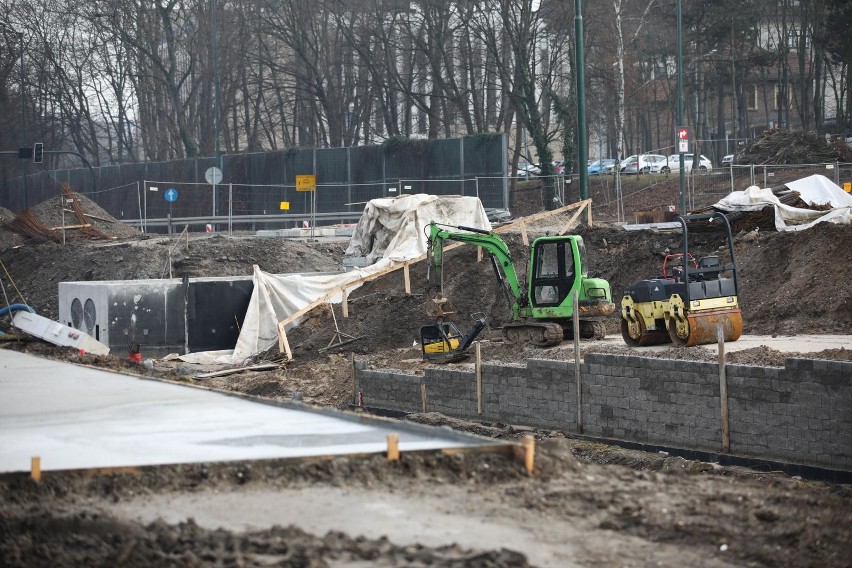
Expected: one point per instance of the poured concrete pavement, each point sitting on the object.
(76, 417)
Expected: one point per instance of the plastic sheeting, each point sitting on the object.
(814, 190)
(392, 230)
(395, 228)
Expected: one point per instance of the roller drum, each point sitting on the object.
(702, 327)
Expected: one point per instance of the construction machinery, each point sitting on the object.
(542, 311)
(690, 302)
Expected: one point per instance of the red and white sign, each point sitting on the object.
(682, 139)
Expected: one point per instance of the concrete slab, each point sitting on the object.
(75, 417)
(791, 344)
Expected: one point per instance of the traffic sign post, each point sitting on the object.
(308, 182)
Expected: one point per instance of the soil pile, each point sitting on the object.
(781, 146)
(81, 217)
(37, 269)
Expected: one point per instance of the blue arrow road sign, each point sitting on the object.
(171, 194)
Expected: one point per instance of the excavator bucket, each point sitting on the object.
(442, 342)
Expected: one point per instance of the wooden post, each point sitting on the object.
(35, 468)
(723, 392)
(589, 210)
(407, 278)
(524, 238)
(525, 451)
(393, 447)
(577, 377)
(345, 302)
(478, 254)
(283, 344)
(478, 379)
(423, 402)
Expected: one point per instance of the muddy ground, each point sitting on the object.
(587, 505)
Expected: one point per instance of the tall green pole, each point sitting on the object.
(24, 164)
(580, 64)
(680, 106)
(216, 107)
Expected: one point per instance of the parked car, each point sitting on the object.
(644, 163)
(525, 170)
(728, 160)
(704, 164)
(603, 166)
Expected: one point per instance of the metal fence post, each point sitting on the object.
(764, 177)
(836, 172)
(230, 209)
(751, 175)
(145, 204)
(731, 169)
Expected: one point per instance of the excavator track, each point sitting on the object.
(543, 334)
(701, 328)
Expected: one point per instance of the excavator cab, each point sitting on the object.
(553, 272)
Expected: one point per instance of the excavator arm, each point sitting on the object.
(500, 256)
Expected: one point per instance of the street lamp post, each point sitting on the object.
(582, 141)
(682, 174)
(216, 117)
(23, 118)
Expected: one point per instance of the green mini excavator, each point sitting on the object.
(542, 312)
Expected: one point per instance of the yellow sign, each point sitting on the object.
(306, 183)
(847, 186)
(285, 206)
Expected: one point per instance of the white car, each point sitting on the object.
(704, 164)
(643, 163)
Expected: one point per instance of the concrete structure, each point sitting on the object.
(75, 417)
(801, 413)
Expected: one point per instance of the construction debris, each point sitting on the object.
(779, 146)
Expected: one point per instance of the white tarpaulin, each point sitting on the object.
(395, 227)
(814, 190)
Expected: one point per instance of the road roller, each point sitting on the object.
(690, 302)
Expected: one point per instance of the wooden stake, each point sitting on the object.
(423, 401)
(478, 254)
(283, 344)
(478, 379)
(577, 376)
(589, 209)
(723, 392)
(525, 451)
(524, 238)
(572, 221)
(407, 278)
(345, 302)
(35, 468)
(393, 447)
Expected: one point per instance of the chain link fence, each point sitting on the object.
(260, 184)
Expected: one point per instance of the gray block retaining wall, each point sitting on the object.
(801, 413)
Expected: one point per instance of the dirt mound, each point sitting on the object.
(82, 218)
(37, 269)
(779, 146)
